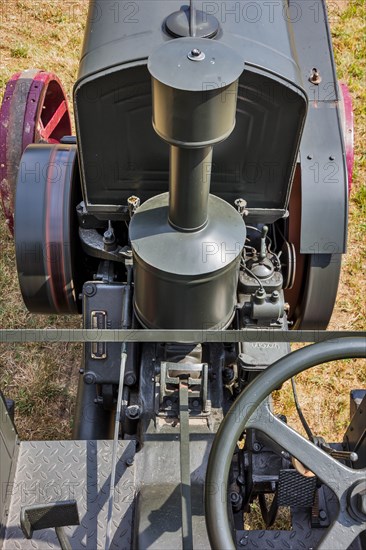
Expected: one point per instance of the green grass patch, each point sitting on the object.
(19, 51)
(25, 402)
(359, 198)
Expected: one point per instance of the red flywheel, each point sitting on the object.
(34, 110)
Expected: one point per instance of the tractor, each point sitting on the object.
(201, 208)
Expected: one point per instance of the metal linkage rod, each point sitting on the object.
(191, 336)
(115, 446)
(126, 323)
(185, 467)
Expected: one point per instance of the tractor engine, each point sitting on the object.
(188, 205)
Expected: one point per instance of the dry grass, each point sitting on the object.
(42, 379)
(324, 391)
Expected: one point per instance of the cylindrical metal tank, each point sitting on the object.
(186, 280)
(194, 91)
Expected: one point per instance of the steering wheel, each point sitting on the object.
(251, 410)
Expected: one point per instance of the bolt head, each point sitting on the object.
(133, 411)
(315, 77)
(89, 378)
(130, 379)
(234, 497)
(108, 236)
(90, 290)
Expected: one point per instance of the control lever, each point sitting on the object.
(334, 453)
(341, 455)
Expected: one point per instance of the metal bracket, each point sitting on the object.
(197, 385)
(93, 245)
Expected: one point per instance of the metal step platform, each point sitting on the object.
(63, 470)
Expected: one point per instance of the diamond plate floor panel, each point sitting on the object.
(80, 470)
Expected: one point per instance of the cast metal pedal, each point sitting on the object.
(52, 515)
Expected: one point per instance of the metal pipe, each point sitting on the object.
(216, 506)
(127, 302)
(192, 19)
(189, 187)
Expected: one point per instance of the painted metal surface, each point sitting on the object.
(117, 34)
(8, 456)
(158, 506)
(189, 21)
(34, 109)
(47, 257)
(187, 64)
(253, 174)
(193, 336)
(256, 162)
(324, 185)
(187, 244)
(315, 307)
(314, 272)
(198, 271)
(198, 79)
(102, 307)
